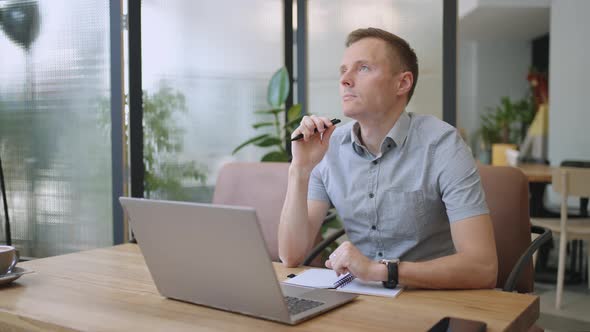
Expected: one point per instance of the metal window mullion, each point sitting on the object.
(135, 100)
(117, 106)
(450, 62)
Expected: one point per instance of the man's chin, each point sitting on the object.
(351, 113)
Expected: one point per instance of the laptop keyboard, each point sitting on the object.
(298, 305)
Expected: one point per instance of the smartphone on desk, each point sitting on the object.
(452, 324)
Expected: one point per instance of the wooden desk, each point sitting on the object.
(537, 172)
(111, 289)
(539, 175)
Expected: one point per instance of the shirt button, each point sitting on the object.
(371, 195)
(375, 162)
(373, 227)
(380, 254)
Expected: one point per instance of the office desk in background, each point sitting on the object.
(537, 173)
(539, 176)
(111, 289)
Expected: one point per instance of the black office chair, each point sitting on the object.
(320, 247)
(7, 234)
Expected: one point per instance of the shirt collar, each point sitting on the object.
(398, 133)
(400, 129)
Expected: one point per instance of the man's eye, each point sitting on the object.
(364, 68)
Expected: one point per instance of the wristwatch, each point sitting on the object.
(392, 273)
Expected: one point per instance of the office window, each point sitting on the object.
(418, 22)
(54, 124)
(205, 70)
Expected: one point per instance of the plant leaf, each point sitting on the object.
(272, 111)
(294, 112)
(278, 88)
(275, 156)
(294, 123)
(250, 141)
(262, 124)
(269, 141)
(334, 223)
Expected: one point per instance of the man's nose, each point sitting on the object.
(347, 80)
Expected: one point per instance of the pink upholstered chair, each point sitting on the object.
(262, 186)
(507, 196)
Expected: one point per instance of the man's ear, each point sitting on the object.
(405, 83)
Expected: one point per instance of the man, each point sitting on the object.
(405, 185)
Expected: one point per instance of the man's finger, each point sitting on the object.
(339, 265)
(328, 264)
(341, 270)
(327, 122)
(327, 134)
(319, 124)
(308, 126)
(296, 132)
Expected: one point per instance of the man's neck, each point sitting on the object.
(373, 131)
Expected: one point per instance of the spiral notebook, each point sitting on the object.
(325, 278)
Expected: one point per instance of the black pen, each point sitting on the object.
(300, 136)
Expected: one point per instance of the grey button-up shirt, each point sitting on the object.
(400, 203)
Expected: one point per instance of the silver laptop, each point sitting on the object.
(215, 256)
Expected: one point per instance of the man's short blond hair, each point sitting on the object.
(397, 46)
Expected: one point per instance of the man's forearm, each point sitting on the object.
(450, 272)
(457, 271)
(294, 228)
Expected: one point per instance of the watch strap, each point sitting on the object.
(392, 274)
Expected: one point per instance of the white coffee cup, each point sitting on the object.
(8, 259)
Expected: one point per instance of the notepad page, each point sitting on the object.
(325, 278)
(316, 278)
(369, 288)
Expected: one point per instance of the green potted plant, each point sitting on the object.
(277, 93)
(162, 142)
(504, 126)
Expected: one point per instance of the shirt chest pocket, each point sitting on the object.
(401, 213)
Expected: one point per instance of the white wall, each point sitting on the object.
(515, 3)
(569, 81)
(488, 71)
(466, 6)
(467, 91)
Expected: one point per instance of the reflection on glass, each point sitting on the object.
(54, 70)
(418, 22)
(217, 62)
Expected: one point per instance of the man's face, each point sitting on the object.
(367, 81)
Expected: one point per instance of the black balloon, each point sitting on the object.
(20, 21)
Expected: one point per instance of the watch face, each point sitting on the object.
(385, 261)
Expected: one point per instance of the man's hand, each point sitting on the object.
(309, 151)
(347, 258)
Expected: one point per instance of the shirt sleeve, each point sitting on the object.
(458, 178)
(317, 190)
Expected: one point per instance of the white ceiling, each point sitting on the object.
(508, 22)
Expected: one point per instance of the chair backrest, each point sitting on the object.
(262, 186)
(583, 200)
(507, 196)
(571, 181)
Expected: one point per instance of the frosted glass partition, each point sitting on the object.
(212, 60)
(54, 124)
